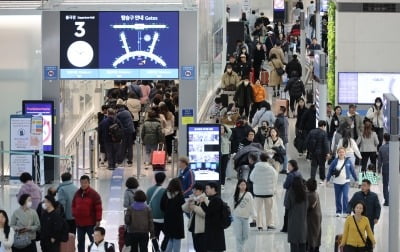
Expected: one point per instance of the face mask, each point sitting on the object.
(243, 50)
(229, 70)
(258, 47)
(29, 204)
(246, 83)
(378, 104)
(44, 206)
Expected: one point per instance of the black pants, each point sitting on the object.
(245, 109)
(71, 226)
(126, 147)
(324, 42)
(297, 247)
(365, 157)
(348, 248)
(224, 165)
(30, 248)
(385, 182)
(257, 70)
(138, 241)
(254, 107)
(276, 89)
(285, 220)
(199, 242)
(292, 102)
(168, 144)
(310, 249)
(112, 152)
(48, 246)
(318, 161)
(158, 228)
(379, 132)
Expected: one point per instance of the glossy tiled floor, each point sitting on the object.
(111, 185)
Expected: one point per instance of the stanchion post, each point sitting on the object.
(77, 159)
(2, 163)
(91, 157)
(138, 156)
(83, 150)
(173, 159)
(36, 166)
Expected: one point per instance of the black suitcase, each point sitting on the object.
(225, 100)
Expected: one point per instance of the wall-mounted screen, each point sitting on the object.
(119, 45)
(279, 4)
(363, 88)
(46, 109)
(204, 150)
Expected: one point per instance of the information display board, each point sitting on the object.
(204, 142)
(363, 88)
(46, 110)
(119, 45)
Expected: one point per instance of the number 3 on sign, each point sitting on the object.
(80, 31)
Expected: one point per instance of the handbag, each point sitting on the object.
(368, 243)
(21, 240)
(278, 70)
(336, 173)
(239, 201)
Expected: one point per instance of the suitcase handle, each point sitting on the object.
(160, 145)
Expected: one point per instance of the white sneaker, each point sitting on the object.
(344, 215)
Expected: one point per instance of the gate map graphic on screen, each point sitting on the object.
(130, 45)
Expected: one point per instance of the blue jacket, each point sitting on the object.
(65, 194)
(289, 180)
(187, 180)
(126, 119)
(349, 168)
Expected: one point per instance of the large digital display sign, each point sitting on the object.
(204, 151)
(363, 88)
(119, 45)
(46, 110)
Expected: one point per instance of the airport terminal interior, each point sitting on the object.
(61, 58)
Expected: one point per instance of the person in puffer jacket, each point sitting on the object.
(87, 211)
(264, 178)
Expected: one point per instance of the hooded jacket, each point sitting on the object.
(65, 194)
(138, 219)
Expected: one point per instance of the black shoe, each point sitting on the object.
(111, 168)
(278, 94)
(260, 229)
(386, 203)
(271, 228)
(253, 224)
(283, 230)
(274, 95)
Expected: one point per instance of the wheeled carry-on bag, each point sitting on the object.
(282, 101)
(68, 246)
(264, 77)
(159, 158)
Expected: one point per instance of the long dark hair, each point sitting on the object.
(294, 164)
(6, 225)
(346, 140)
(299, 189)
(380, 100)
(237, 190)
(367, 132)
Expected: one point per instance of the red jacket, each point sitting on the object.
(86, 207)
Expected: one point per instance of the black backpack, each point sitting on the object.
(297, 88)
(108, 247)
(116, 132)
(226, 215)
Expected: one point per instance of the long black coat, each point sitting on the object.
(244, 95)
(173, 215)
(293, 65)
(215, 235)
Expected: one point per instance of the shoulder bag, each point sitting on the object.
(368, 243)
(239, 201)
(21, 240)
(336, 173)
(278, 70)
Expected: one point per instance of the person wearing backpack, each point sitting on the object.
(215, 220)
(98, 244)
(111, 134)
(53, 228)
(296, 89)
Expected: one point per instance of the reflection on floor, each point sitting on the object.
(111, 186)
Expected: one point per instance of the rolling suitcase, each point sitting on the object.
(158, 158)
(68, 246)
(264, 77)
(282, 101)
(121, 237)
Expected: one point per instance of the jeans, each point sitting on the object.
(341, 197)
(199, 242)
(241, 228)
(318, 161)
(82, 231)
(174, 245)
(158, 228)
(365, 157)
(224, 165)
(385, 182)
(138, 241)
(149, 149)
(267, 203)
(297, 247)
(126, 147)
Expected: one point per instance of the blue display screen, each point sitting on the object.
(129, 45)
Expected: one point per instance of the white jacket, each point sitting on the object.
(264, 178)
(376, 116)
(246, 207)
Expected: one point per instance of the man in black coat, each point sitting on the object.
(106, 139)
(244, 97)
(293, 66)
(296, 89)
(239, 133)
(126, 147)
(371, 201)
(318, 146)
(215, 235)
(243, 67)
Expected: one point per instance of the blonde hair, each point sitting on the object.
(184, 160)
(340, 148)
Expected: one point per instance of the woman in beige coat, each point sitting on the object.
(275, 80)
